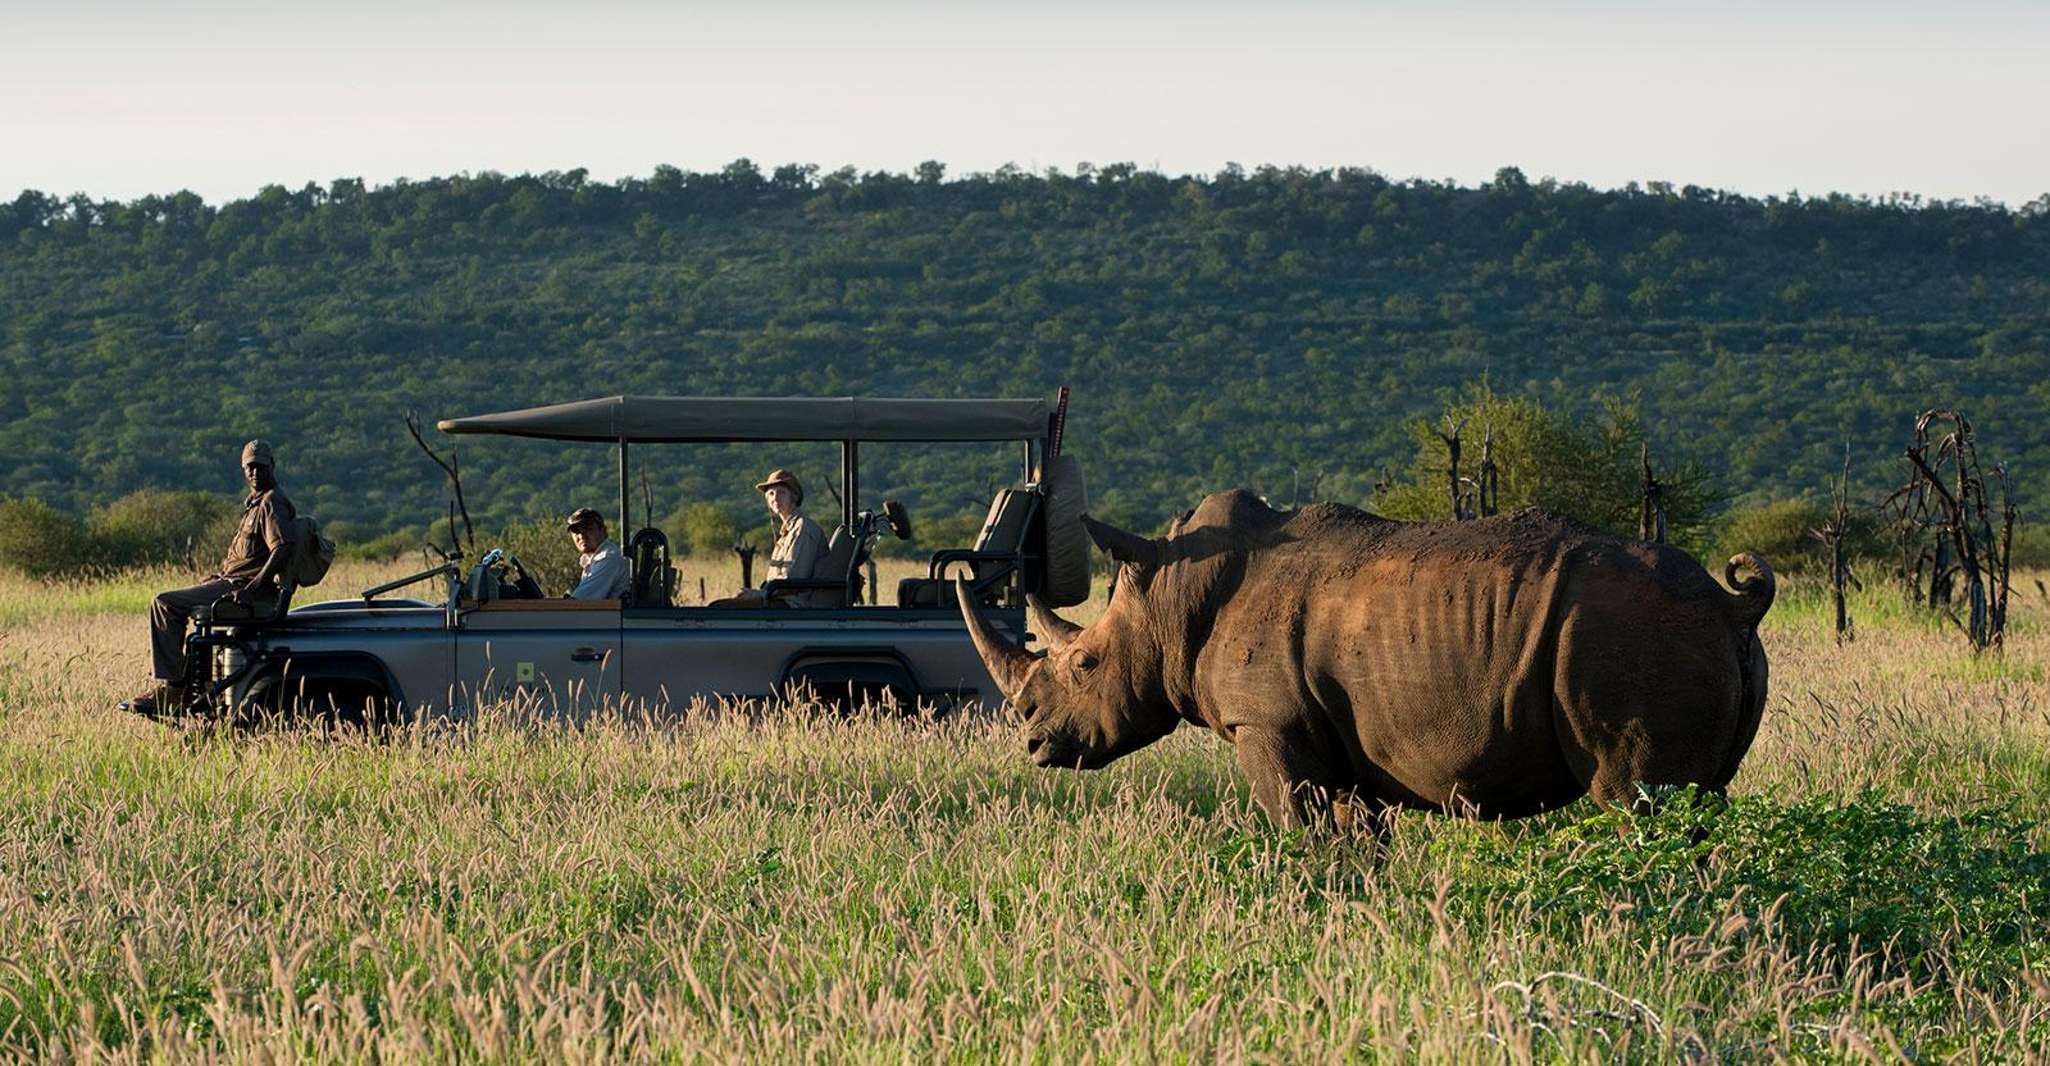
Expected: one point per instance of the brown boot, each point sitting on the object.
(162, 701)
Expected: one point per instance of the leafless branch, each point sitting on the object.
(450, 467)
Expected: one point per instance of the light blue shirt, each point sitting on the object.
(606, 575)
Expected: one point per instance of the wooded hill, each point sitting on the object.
(1276, 328)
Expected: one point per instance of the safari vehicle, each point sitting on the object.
(486, 632)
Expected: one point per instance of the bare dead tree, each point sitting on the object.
(1460, 512)
(1651, 511)
(1832, 534)
(1945, 500)
(450, 466)
(2002, 569)
(746, 552)
(1488, 479)
(1295, 486)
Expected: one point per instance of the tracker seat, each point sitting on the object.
(261, 610)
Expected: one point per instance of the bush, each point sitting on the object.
(703, 529)
(544, 548)
(38, 539)
(1780, 531)
(389, 546)
(1586, 469)
(160, 526)
(2031, 550)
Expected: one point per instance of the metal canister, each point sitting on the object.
(229, 659)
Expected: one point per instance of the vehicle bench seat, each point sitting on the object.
(999, 553)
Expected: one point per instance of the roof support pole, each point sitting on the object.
(850, 482)
(626, 529)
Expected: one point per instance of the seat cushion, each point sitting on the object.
(919, 592)
(257, 609)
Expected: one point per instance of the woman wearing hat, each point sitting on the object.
(799, 541)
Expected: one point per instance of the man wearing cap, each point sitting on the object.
(606, 575)
(799, 541)
(248, 575)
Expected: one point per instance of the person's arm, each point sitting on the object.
(277, 539)
(601, 577)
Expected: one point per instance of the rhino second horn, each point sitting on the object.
(1122, 546)
(1057, 630)
(1006, 661)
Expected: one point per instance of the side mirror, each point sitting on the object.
(900, 521)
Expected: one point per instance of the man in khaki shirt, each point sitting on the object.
(249, 574)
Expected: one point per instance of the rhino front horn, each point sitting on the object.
(1007, 662)
(1122, 546)
(1057, 630)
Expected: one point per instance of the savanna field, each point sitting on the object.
(781, 884)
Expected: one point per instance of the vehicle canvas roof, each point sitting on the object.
(683, 419)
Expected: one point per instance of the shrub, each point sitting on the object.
(1588, 469)
(1780, 531)
(2031, 550)
(703, 529)
(160, 526)
(544, 548)
(38, 539)
(389, 546)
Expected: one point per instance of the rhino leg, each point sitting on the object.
(1295, 786)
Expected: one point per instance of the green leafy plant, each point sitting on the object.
(1950, 897)
(38, 539)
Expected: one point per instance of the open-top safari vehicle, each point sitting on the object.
(487, 633)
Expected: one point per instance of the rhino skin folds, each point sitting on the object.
(1494, 668)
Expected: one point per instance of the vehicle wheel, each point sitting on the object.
(1067, 542)
(848, 685)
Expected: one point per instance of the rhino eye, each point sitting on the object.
(1084, 661)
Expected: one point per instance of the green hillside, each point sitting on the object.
(1271, 328)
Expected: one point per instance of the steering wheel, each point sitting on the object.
(529, 589)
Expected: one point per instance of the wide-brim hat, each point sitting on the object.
(258, 452)
(584, 516)
(782, 477)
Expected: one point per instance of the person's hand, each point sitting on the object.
(239, 595)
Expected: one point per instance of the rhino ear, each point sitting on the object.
(1122, 546)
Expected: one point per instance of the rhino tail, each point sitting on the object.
(1754, 592)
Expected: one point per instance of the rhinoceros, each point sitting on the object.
(1494, 668)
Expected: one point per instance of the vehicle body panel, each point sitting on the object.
(574, 661)
(562, 654)
(676, 655)
(410, 641)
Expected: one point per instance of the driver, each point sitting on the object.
(606, 575)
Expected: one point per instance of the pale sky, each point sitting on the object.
(118, 100)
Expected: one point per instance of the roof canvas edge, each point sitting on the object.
(680, 419)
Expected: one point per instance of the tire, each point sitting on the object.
(1067, 542)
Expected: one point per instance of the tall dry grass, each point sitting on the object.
(780, 885)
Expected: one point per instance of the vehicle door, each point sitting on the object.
(712, 653)
(558, 657)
